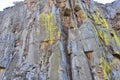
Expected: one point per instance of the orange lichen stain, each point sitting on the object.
(100, 73)
(66, 17)
(80, 16)
(89, 54)
(66, 21)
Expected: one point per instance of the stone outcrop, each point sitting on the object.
(60, 40)
(112, 13)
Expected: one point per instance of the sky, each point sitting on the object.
(104, 1)
(8, 3)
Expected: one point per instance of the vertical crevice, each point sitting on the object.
(70, 2)
(2, 69)
(46, 46)
(65, 16)
(115, 67)
(89, 57)
(64, 41)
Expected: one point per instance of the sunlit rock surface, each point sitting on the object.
(60, 40)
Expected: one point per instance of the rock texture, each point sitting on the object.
(60, 40)
(112, 13)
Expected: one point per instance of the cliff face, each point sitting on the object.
(60, 40)
(112, 14)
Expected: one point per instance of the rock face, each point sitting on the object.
(112, 13)
(60, 40)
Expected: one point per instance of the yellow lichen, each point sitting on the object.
(95, 17)
(104, 37)
(51, 28)
(105, 68)
(116, 38)
(104, 23)
(100, 20)
(116, 52)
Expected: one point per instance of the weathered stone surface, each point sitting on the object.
(60, 40)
